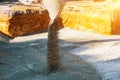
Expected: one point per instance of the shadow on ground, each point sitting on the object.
(79, 42)
(27, 61)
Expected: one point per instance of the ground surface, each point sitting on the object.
(100, 51)
(84, 56)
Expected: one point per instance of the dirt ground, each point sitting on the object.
(24, 58)
(84, 56)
